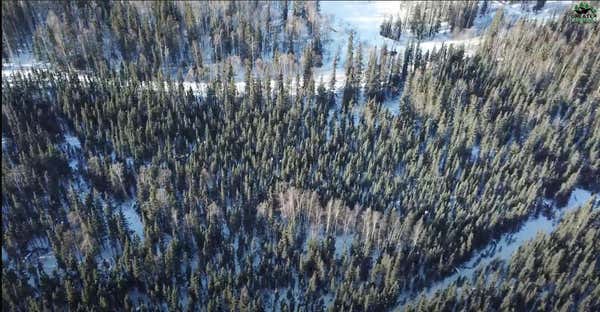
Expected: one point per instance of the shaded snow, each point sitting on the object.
(475, 153)
(23, 62)
(134, 221)
(342, 243)
(48, 262)
(4, 143)
(72, 147)
(72, 141)
(392, 104)
(328, 300)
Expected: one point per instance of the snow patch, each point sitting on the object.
(4, 255)
(48, 262)
(4, 143)
(342, 243)
(475, 153)
(21, 63)
(72, 141)
(578, 198)
(134, 221)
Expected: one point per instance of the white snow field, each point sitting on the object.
(364, 18)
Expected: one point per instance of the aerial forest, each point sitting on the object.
(225, 156)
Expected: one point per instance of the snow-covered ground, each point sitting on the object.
(475, 152)
(40, 250)
(364, 18)
(4, 255)
(343, 243)
(72, 141)
(49, 264)
(505, 247)
(134, 221)
(23, 62)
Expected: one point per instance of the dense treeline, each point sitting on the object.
(424, 19)
(557, 272)
(284, 192)
(163, 35)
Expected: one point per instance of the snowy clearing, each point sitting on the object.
(364, 18)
